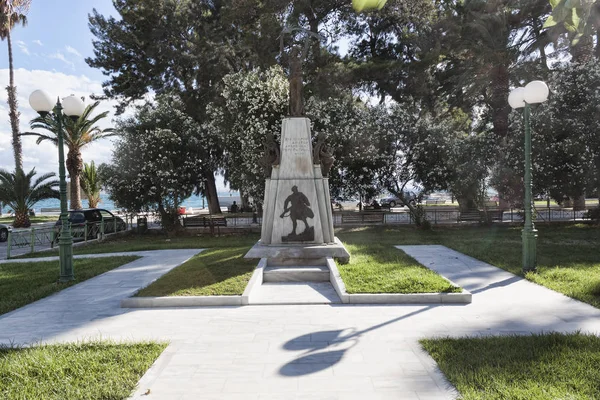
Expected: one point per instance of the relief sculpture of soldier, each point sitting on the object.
(322, 155)
(297, 207)
(271, 156)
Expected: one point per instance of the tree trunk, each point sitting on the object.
(245, 201)
(466, 203)
(498, 102)
(21, 219)
(598, 177)
(75, 167)
(13, 111)
(211, 193)
(500, 110)
(598, 43)
(583, 52)
(579, 202)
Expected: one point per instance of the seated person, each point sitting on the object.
(375, 205)
(234, 207)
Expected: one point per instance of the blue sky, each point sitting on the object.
(56, 37)
(49, 54)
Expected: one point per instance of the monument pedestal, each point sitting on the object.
(297, 253)
(297, 233)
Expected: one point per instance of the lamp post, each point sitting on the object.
(72, 107)
(535, 92)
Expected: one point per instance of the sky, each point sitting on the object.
(49, 54)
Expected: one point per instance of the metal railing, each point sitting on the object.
(436, 216)
(38, 238)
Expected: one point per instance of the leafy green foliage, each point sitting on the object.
(77, 134)
(157, 161)
(21, 191)
(91, 184)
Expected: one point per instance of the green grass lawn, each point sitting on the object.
(568, 256)
(537, 367)
(214, 272)
(377, 268)
(92, 370)
(24, 283)
(135, 242)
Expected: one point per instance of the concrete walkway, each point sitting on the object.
(299, 352)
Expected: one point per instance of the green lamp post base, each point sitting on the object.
(529, 249)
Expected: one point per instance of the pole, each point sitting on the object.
(65, 241)
(529, 233)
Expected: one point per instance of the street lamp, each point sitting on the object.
(72, 107)
(535, 92)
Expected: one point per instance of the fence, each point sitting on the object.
(22, 241)
(439, 215)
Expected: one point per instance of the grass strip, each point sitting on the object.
(94, 370)
(137, 242)
(568, 259)
(376, 268)
(24, 283)
(214, 272)
(567, 255)
(33, 220)
(537, 367)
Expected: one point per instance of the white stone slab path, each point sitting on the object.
(298, 351)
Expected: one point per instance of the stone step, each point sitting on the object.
(294, 293)
(296, 274)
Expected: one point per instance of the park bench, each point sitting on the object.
(363, 218)
(194, 222)
(493, 214)
(470, 216)
(481, 216)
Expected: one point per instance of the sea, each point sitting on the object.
(191, 203)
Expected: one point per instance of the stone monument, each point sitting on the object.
(297, 216)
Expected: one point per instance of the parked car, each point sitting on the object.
(393, 201)
(4, 229)
(95, 219)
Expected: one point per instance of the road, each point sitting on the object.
(15, 251)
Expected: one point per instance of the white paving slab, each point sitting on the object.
(295, 293)
(304, 351)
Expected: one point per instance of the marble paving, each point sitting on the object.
(333, 351)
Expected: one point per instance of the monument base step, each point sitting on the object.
(296, 274)
(295, 293)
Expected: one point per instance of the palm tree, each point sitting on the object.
(12, 12)
(77, 134)
(90, 183)
(20, 192)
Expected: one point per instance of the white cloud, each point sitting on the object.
(60, 56)
(71, 50)
(44, 157)
(23, 47)
(38, 42)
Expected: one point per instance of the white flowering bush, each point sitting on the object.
(157, 162)
(254, 104)
(251, 105)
